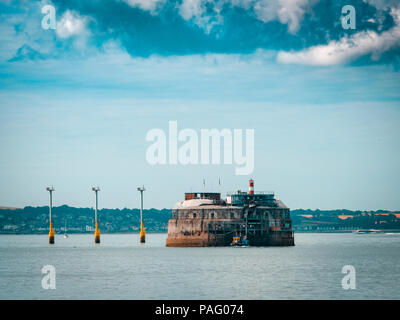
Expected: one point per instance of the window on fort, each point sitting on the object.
(232, 215)
(194, 215)
(212, 215)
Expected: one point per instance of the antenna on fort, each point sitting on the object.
(97, 230)
(204, 184)
(142, 230)
(51, 230)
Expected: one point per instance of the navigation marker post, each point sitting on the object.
(142, 229)
(51, 230)
(97, 230)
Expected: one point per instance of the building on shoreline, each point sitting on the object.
(204, 219)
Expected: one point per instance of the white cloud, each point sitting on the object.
(147, 5)
(383, 4)
(348, 49)
(266, 10)
(190, 8)
(290, 12)
(70, 24)
(195, 10)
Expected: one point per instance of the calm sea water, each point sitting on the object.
(121, 268)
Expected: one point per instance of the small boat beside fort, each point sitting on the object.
(204, 219)
(240, 241)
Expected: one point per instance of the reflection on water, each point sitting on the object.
(121, 268)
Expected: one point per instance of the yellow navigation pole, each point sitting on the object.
(97, 231)
(142, 229)
(51, 230)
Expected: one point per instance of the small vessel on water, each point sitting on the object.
(239, 241)
(65, 229)
(366, 231)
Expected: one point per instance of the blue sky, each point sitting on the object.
(76, 102)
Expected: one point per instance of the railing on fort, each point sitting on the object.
(231, 193)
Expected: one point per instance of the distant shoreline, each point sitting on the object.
(350, 231)
(165, 232)
(34, 220)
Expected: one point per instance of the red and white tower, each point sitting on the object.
(251, 186)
